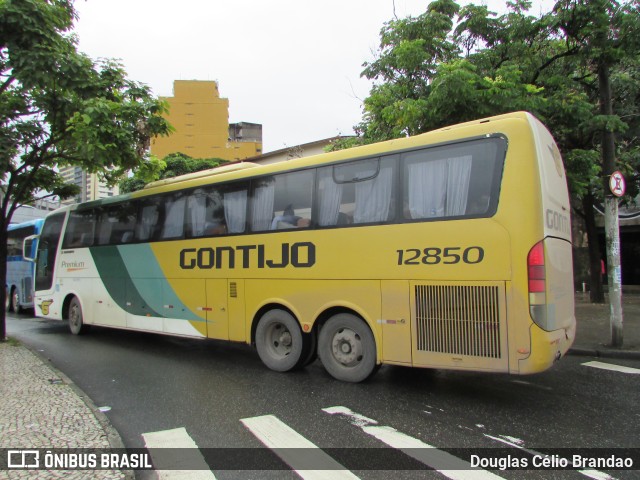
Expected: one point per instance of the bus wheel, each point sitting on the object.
(279, 341)
(76, 323)
(347, 348)
(15, 301)
(8, 304)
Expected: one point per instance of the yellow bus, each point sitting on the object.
(448, 250)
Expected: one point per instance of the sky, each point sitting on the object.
(291, 65)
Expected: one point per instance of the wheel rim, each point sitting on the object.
(279, 340)
(346, 346)
(16, 301)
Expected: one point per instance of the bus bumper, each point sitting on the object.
(546, 348)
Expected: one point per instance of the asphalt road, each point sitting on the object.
(154, 383)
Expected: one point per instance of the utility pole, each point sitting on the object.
(613, 187)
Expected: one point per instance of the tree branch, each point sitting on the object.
(566, 53)
(7, 84)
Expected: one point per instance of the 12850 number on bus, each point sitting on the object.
(437, 256)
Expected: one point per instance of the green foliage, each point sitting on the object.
(344, 143)
(173, 165)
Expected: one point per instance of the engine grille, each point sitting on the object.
(459, 320)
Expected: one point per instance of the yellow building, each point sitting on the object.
(202, 130)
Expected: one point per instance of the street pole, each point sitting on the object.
(614, 271)
(613, 185)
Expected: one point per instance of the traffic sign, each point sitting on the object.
(617, 184)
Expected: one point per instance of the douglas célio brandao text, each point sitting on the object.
(550, 462)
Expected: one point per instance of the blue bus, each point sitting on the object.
(20, 271)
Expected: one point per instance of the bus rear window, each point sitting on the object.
(460, 180)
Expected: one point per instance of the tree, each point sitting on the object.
(603, 33)
(58, 108)
(173, 165)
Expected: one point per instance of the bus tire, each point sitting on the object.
(15, 301)
(279, 341)
(76, 320)
(347, 348)
(8, 304)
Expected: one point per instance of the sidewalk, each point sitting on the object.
(593, 336)
(42, 408)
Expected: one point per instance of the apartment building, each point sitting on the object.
(91, 188)
(200, 118)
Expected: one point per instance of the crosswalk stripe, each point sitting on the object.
(279, 436)
(448, 465)
(612, 367)
(188, 457)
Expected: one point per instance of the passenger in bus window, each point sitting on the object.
(289, 219)
(215, 226)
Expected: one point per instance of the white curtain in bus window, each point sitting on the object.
(174, 216)
(373, 197)
(197, 208)
(458, 176)
(235, 210)
(438, 188)
(148, 221)
(330, 198)
(262, 205)
(105, 227)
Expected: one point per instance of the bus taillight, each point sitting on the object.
(537, 285)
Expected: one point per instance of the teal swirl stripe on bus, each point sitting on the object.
(135, 281)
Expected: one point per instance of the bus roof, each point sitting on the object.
(239, 170)
(36, 222)
(202, 173)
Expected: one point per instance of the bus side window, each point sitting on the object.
(453, 180)
(205, 213)
(282, 201)
(116, 224)
(292, 202)
(79, 232)
(436, 186)
(357, 192)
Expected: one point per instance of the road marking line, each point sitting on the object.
(448, 465)
(188, 457)
(283, 439)
(612, 367)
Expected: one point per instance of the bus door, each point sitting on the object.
(46, 259)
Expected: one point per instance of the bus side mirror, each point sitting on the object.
(28, 248)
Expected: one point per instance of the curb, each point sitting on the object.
(605, 353)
